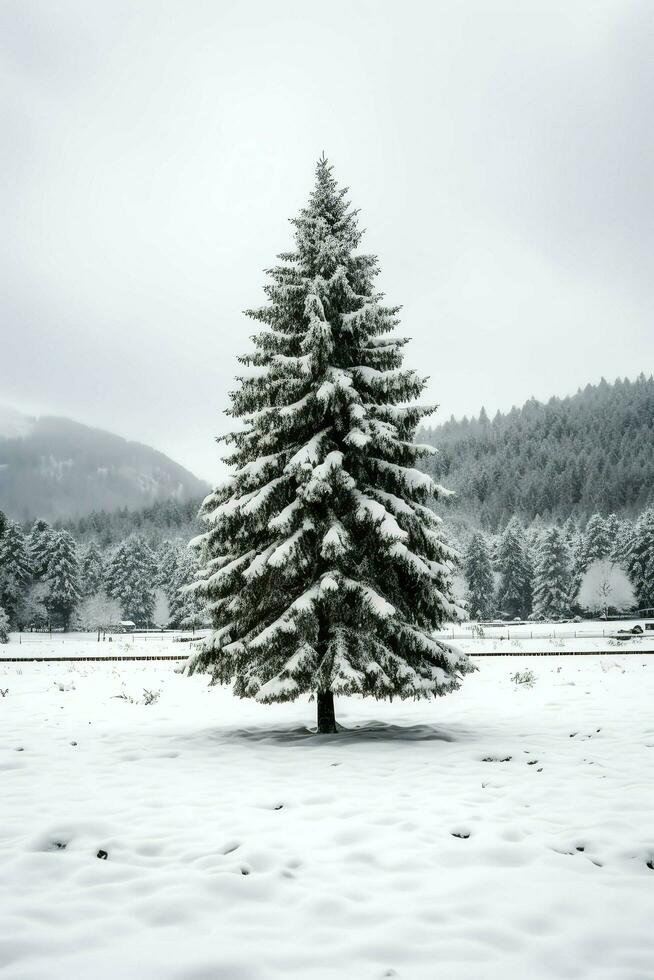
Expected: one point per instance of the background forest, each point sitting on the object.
(552, 517)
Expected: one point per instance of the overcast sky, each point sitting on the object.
(501, 154)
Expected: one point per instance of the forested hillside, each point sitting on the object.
(590, 452)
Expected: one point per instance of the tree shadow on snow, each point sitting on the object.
(373, 731)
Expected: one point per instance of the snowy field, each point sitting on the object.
(66, 645)
(504, 831)
(589, 636)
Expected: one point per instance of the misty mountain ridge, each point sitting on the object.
(56, 468)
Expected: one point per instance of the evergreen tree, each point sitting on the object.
(578, 568)
(623, 539)
(514, 566)
(571, 533)
(4, 626)
(167, 559)
(479, 578)
(185, 602)
(596, 541)
(325, 570)
(4, 520)
(552, 576)
(640, 559)
(39, 547)
(131, 579)
(613, 529)
(34, 609)
(91, 570)
(63, 577)
(15, 572)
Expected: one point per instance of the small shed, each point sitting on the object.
(127, 626)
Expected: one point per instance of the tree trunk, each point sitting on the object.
(326, 716)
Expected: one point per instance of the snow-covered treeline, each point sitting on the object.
(552, 571)
(47, 578)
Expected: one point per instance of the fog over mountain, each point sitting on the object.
(57, 468)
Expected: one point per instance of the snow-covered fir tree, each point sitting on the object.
(552, 576)
(15, 571)
(39, 545)
(578, 568)
(571, 533)
(324, 568)
(34, 607)
(639, 559)
(4, 626)
(478, 572)
(130, 579)
(63, 577)
(596, 541)
(515, 568)
(167, 559)
(185, 602)
(91, 570)
(612, 525)
(622, 540)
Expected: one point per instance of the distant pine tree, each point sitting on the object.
(571, 533)
(623, 541)
(325, 571)
(63, 577)
(596, 541)
(552, 579)
(514, 565)
(578, 568)
(131, 579)
(4, 626)
(186, 604)
(167, 559)
(15, 571)
(91, 570)
(39, 547)
(640, 559)
(478, 572)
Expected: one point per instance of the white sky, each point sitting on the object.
(501, 153)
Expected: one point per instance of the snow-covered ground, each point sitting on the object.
(510, 638)
(503, 831)
(67, 645)
(584, 637)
